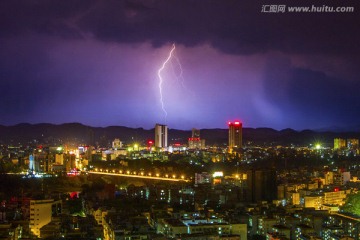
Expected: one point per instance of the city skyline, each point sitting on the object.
(98, 63)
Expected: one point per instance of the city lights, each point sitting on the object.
(101, 137)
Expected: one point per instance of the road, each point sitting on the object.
(140, 176)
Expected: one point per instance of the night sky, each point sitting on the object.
(97, 62)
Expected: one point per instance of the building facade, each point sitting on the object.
(41, 213)
(235, 135)
(161, 136)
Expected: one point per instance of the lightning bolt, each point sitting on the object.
(178, 76)
(161, 79)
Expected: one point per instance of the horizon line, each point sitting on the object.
(324, 129)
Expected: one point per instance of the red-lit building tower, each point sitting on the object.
(235, 135)
(195, 142)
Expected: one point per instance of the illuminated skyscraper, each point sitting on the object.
(42, 212)
(161, 136)
(339, 143)
(32, 163)
(116, 144)
(235, 135)
(195, 142)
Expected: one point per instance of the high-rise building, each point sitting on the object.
(195, 133)
(261, 185)
(41, 213)
(161, 136)
(195, 142)
(59, 159)
(116, 144)
(69, 162)
(235, 135)
(31, 163)
(339, 143)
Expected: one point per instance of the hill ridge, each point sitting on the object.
(84, 134)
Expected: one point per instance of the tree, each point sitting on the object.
(352, 204)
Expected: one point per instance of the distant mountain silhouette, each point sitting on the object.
(77, 133)
(355, 128)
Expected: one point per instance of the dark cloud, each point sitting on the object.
(313, 96)
(23, 88)
(46, 17)
(321, 96)
(236, 27)
(80, 54)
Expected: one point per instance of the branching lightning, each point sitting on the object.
(178, 76)
(161, 79)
